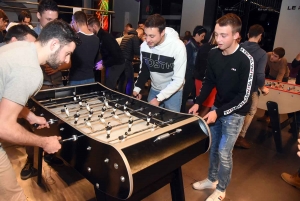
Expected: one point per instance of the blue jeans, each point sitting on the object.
(172, 103)
(78, 82)
(224, 133)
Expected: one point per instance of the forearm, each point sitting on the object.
(17, 134)
(204, 93)
(27, 114)
(260, 80)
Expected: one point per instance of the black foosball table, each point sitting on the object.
(125, 147)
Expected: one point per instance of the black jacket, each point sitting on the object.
(130, 45)
(232, 75)
(110, 50)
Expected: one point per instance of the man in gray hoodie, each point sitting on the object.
(163, 59)
(260, 59)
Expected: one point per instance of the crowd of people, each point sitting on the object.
(224, 75)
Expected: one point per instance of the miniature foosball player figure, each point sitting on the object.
(101, 118)
(149, 117)
(88, 124)
(108, 129)
(87, 106)
(130, 122)
(67, 111)
(103, 110)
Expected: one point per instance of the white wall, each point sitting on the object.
(131, 8)
(192, 15)
(288, 29)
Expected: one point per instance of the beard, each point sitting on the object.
(53, 61)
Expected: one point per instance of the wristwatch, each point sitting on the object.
(158, 99)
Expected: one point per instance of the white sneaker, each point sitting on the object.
(205, 184)
(216, 196)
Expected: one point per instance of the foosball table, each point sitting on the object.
(283, 98)
(125, 147)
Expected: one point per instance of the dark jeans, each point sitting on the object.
(112, 74)
(127, 79)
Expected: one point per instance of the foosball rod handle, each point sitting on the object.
(73, 138)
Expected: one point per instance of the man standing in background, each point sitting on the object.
(260, 58)
(112, 57)
(192, 48)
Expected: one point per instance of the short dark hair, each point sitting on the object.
(19, 31)
(199, 30)
(279, 51)
(255, 30)
(24, 14)
(156, 21)
(45, 5)
(80, 17)
(232, 20)
(60, 30)
(93, 20)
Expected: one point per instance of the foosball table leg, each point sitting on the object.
(275, 123)
(176, 184)
(38, 161)
(294, 126)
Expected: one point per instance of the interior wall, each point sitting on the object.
(288, 29)
(126, 11)
(192, 15)
(12, 14)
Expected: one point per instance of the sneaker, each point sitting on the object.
(242, 143)
(205, 184)
(28, 171)
(216, 196)
(293, 180)
(53, 160)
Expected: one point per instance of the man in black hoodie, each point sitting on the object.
(130, 46)
(112, 57)
(260, 59)
(230, 68)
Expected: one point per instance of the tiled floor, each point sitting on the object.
(255, 177)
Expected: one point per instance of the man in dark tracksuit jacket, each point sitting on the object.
(130, 46)
(112, 57)
(230, 68)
